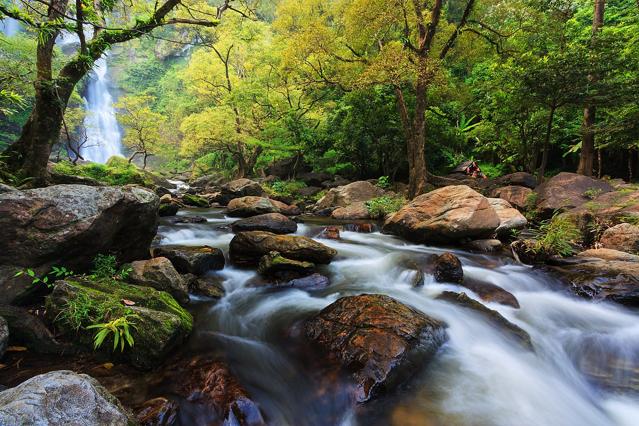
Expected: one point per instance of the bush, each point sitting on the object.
(557, 236)
(384, 182)
(285, 188)
(379, 208)
(117, 171)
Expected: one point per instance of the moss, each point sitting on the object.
(117, 171)
(195, 200)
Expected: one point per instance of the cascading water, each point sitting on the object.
(103, 138)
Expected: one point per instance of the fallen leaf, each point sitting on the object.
(128, 302)
(108, 365)
(16, 349)
(2, 366)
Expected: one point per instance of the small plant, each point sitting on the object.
(120, 328)
(56, 273)
(104, 266)
(557, 236)
(384, 182)
(592, 193)
(286, 188)
(379, 207)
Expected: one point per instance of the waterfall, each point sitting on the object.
(102, 131)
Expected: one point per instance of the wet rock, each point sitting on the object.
(247, 248)
(330, 233)
(4, 336)
(346, 195)
(70, 224)
(208, 286)
(160, 274)
(355, 211)
(191, 260)
(486, 246)
(168, 210)
(519, 179)
(161, 192)
(417, 278)
(253, 206)
(239, 188)
(189, 219)
(208, 182)
(195, 200)
(517, 196)
(161, 324)
(622, 237)
(448, 268)
(380, 340)
(311, 282)
(566, 191)
(491, 293)
(158, 412)
(511, 330)
(276, 266)
(61, 398)
(609, 254)
(30, 331)
(276, 223)
(445, 215)
(364, 228)
(509, 218)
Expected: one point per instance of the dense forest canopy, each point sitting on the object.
(361, 88)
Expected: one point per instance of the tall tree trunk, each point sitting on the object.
(588, 140)
(544, 157)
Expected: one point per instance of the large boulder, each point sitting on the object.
(568, 190)
(161, 324)
(509, 218)
(518, 196)
(382, 341)
(343, 196)
(247, 248)
(253, 206)
(623, 237)
(70, 224)
(518, 179)
(445, 215)
(160, 274)
(355, 211)
(61, 398)
(239, 188)
(276, 223)
(191, 260)
(273, 265)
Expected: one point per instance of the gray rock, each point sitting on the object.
(160, 274)
(4, 336)
(192, 260)
(61, 398)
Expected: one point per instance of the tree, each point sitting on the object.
(48, 19)
(142, 127)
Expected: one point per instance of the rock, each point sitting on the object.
(609, 254)
(380, 340)
(526, 252)
(160, 274)
(509, 218)
(364, 228)
(599, 279)
(161, 326)
(309, 283)
(622, 237)
(195, 200)
(517, 196)
(208, 181)
(276, 266)
(30, 331)
(191, 260)
(247, 248)
(314, 178)
(189, 219)
(355, 211)
(445, 215)
(209, 286)
(618, 205)
(61, 398)
(288, 168)
(276, 223)
(518, 179)
(486, 246)
(239, 188)
(511, 330)
(166, 198)
(4, 336)
(346, 195)
(566, 191)
(158, 412)
(448, 268)
(70, 224)
(19, 290)
(330, 233)
(168, 210)
(491, 293)
(253, 206)
(309, 191)
(6, 188)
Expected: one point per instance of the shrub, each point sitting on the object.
(120, 328)
(592, 193)
(384, 182)
(379, 207)
(557, 236)
(285, 188)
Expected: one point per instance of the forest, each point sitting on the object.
(319, 212)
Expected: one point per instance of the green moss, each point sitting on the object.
(195, 200)
(117, 171)
(379, 207)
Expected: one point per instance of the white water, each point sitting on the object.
(480, 377)
(101, 126)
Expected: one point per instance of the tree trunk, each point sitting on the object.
(588, 140)
(544, 157)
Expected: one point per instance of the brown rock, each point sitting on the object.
(253, 206)
(160, 274)
(192, 260)
(509, 218)
(609, 254)
(158, 412)
(331, 233)
(491, 293)
(239, 188)
(622, 237)
(517, 196)
(275, 266)
(379, 339)
(276, 223)
(566, 191)
(346, 195)
(518, 179)
(448, 268)
(486, 246)
(247, 248)
(448, 214)
(355, 211)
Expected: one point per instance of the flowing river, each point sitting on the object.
(479, 377)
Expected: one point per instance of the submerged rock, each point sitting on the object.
(330, 233)
(191, 260)
(161, 324)
(491, 293)
(311, 282)
(276, 223)
(276, 266)
(160, 274)
(380, 340)
(247, 248)
(70, 224)
(448, 268)
(61, 398)
(446, 215)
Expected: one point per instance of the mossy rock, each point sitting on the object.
(195, 200)
(161, 326)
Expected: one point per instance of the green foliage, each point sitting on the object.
(384, 182)
(120, 328)
(117, 171)
(104, 266)
(379, 208)
(557, 236)
(285, 188)
(592, 193)
(57, 272)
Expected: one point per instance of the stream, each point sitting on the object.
(479, 377)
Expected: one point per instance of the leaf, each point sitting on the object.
(128, 302)
(16, 349)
